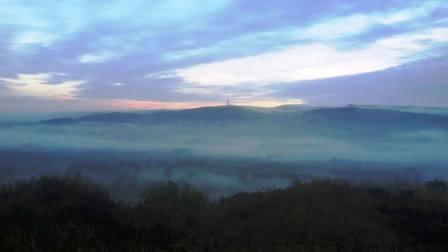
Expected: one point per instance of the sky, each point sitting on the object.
(80, 55)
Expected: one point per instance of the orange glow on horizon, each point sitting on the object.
(142, 105)
(271, 103)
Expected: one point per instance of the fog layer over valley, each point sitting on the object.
(229, 148)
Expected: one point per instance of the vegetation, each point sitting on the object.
(71, 214)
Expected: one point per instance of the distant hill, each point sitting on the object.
(374, 118)
(368, 119)
(197, 115)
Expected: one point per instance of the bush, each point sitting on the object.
(71, 214)
(437, 186)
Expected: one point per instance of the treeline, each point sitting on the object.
(72, 214)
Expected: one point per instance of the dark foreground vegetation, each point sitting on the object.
(72, 214)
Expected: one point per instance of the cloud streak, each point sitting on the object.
(99, 57)
(38, 85)
(316, 61)
(359, 23)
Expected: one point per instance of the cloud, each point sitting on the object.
(422, 83)
(338, 27)
(43, 104)
(303, 62)
(359, 23)
(38, 85)
(405, 45)
(269, 103)
(235, 93)
(129, 104)
(200, 51)
(422, 9)
(328, 28)
(38, 24)
(245, 44)
(196, 90)
(99, 57)
(315, 61)
(50, 22)
(34, 38)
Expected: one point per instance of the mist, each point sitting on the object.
(238, 149)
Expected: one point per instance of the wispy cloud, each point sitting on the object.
(34, 38)
(98, 57)
(269, 103)
(315, 61)
(358, 23)
(333, 28)
(124, 104)
(37, 85)
(190, 50)
(127, 104)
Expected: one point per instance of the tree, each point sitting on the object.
(437, 186)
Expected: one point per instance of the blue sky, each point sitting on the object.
(144, 54)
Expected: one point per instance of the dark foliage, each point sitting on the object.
(71, 214)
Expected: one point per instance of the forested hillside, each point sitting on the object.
(73, 214)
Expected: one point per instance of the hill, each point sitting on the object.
(340, 118)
